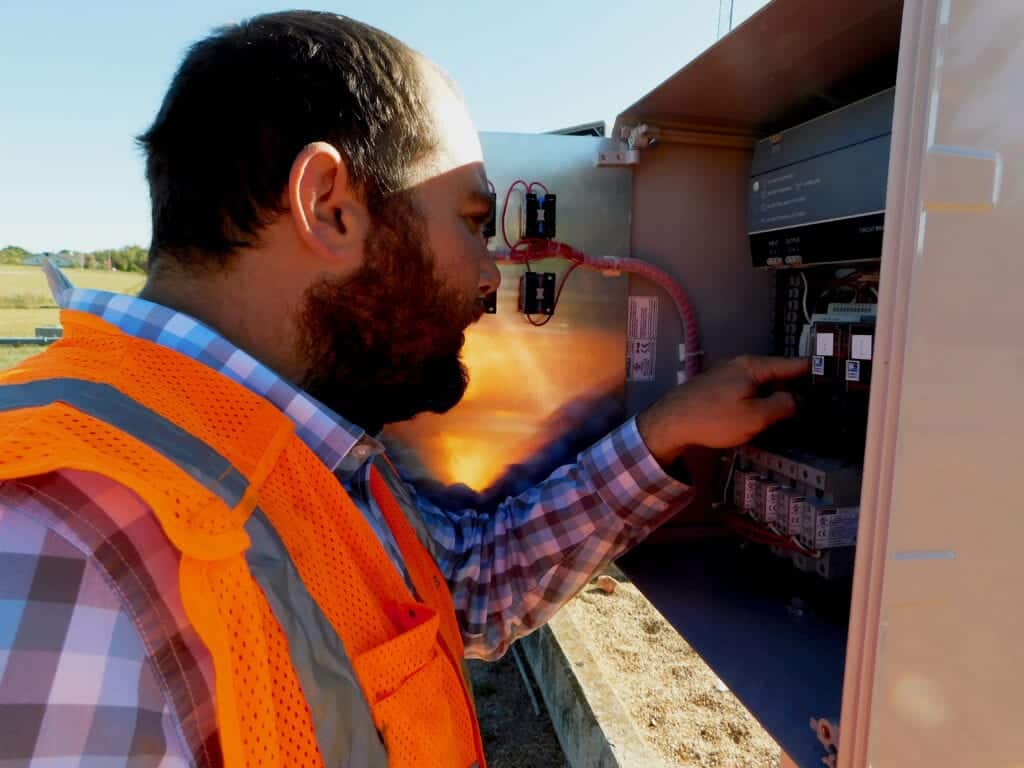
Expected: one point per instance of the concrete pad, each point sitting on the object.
(594, 728)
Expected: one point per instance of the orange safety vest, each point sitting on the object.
(406, 653)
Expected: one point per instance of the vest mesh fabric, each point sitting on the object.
(405, 653)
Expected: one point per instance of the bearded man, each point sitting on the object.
(205, 556)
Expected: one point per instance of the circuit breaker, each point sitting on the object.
(540, 215)
(537, 293)
(827, 352)
(860, 351)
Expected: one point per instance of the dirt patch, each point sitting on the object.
(514, 737)
(678, 704)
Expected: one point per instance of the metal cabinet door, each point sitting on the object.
(933, 672)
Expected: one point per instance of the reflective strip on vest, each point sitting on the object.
(341, 716)
(105, 403)
(344, 725)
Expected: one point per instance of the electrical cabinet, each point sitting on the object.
(852, 576)
(903, 653)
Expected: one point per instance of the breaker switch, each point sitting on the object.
(827, 351)
(540, 216)
(537, 293)
(858, 362)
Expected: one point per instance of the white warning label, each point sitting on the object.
(825, 344)
(643, 317)
(642, 344)
(641, 361)
(860, 347)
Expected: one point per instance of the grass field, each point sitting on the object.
(29, 281)
(23, 322)
(26, 304)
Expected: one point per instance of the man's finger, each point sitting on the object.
(775, 407)
(765, 370)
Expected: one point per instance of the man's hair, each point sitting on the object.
(244, 103)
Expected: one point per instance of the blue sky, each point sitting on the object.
(78, 80)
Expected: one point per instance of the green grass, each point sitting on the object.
(16, 280)
(25, 301)
(23, 322)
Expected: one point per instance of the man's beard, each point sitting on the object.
(385, 343)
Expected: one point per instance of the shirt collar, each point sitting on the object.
(342, 446)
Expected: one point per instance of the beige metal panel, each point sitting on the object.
(689, 218)
(531, 386)
(902, 214)
(947, 434)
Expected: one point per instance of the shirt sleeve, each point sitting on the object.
(75, 680)
(511, 569)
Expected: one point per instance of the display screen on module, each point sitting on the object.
(817, 191)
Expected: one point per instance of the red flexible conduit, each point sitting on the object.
(533, 250)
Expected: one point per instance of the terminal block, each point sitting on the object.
(829, 480)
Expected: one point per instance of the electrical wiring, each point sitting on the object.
(542, 248)
(848, 285)
(768, 536)
(807, 290)
(527, 250)
(729, 477)
(508, 196)
(504, 207)
(558, 296)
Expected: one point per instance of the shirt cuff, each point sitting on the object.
(630, 480)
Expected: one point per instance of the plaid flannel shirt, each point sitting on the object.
(89, 661)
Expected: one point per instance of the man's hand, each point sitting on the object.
(723, 408)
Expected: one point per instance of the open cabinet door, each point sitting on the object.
(933, 675)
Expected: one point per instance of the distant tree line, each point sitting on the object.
(12, 254)
(131, 258)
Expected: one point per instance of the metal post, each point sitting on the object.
(725, 14)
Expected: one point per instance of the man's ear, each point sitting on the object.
(327, 211)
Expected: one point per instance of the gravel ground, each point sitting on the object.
(514, 737)
(677, 702)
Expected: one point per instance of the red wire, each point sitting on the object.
(565, 279)
(558, 297)
(555, 249)
(504, 208)
(537, 184)
(526, 257)
(759, 535)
